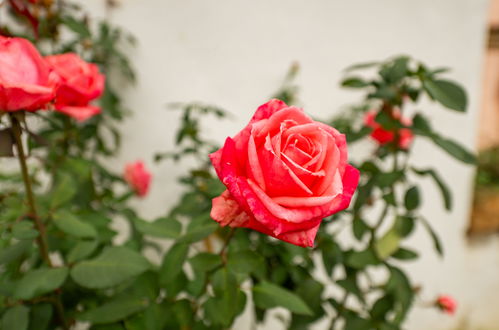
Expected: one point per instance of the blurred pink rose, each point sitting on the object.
(447, 304)
(284, 173)
(384, 136)
(25, 83)
(79, 83)
(138, 177)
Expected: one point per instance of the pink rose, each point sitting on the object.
(79, 83)
(138, 177)
(384, 136)
(24, 76)
(284, 173)
(446, 304)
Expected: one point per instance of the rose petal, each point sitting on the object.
(79, 113)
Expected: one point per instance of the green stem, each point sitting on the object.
(42, 241)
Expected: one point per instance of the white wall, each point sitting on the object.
(234, 53)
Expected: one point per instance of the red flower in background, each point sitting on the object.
(384, 136)
(138, 177)
(80, 82)
(446, 304)
(284, 173)
(24, 76)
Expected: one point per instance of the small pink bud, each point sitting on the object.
(447, 304)
(138, 177)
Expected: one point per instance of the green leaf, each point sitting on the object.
(388, 244)
(331, 254)
(113, 266)
(245, 262)
(350, 285)
(404, 225)
(354, 82)
(454, 149)
(114, 311)
(447, 93)
(360, 228)
(81, 250)
(434, 237)
(267, 295)
(405, 254)
(360, 66)
(76, 26)
(14, 252)
(204, 261)
(39, 282)
(444, 190)
(16, 318)
(225, 288)
(360, 259)
(173, 262)
(199, 228)
(71, 225)
(63, 192)
(389, 178)
(411, 198)
(421, 126)
(24, 230)
(40, 317)
(162, 228)
(183, 313)
(152, 318)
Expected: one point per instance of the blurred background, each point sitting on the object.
(235, 53)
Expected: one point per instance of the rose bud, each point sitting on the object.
(284, 173)
(138, 177)
(79, 83)
(384, 136)
(447, 304)
(24, 76)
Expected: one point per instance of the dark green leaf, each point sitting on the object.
(454, 149)
(16, 318)
(411, 198)
(111, 267)
(362, 66)
(64, 190)
(331, 254)
(183, 313)
(448, 93)
(40, 317)
(77, 26)
(15, 251)
(39, 282)
(444, 190)
(163, 227)
(360, 228)
(354, 82)
(199, 228)
(245, 262)
(267, 295)
(204, 261)
(81, 250)
(405, 254)
(113, 311)
(71, 225)
(434, 237)
(173, 262)
(24, 230)
(361, 259)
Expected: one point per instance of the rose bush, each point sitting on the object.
(79, 83)
(284, 173)
(384, 136)
(138, 177)
(25, 81)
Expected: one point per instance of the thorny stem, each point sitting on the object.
(41, 239)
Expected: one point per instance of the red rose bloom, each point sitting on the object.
(138, 177)
(384, 136)
(79, 83)
(284, 173)
(24, 76)
(447, 304)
